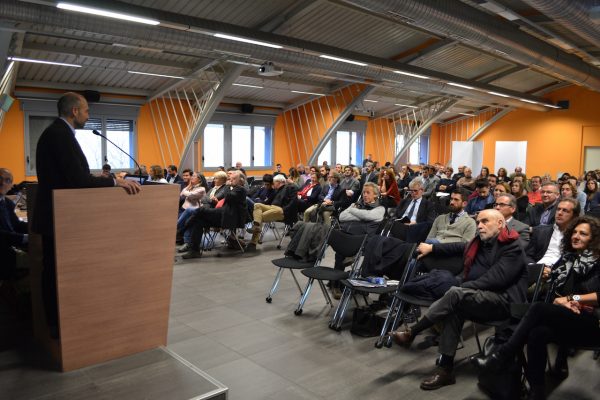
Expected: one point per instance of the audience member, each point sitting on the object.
(517, 189)
(459, 174)
(535, 194)
(265, 193)
(309, 193)
(494, 276)
(186, 175)
(507, 205)
(485, 172)
(403, 178)
(543, 213)
(172, 175)
(591, 190)
(157, 174)
(415, 209)
(331, 198)
(278, 171)
(430, 181)
(284, 200)
(13, 232)
(456, 226)
(483, 198)
(370, 175)
(388, 188)
(350, 186)
(467, 181)
(578, 194)
(502, 175)
(294, 178)
(106, 171)
(571, 320)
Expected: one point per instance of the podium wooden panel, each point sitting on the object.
(114, 268)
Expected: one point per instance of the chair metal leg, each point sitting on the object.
(387, 322)
(325, 294)
(340, 311)
(275, 285)
(304, 296)
(286, 229)
(296, 280)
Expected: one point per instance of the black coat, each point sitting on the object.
(426, 212)
(11, 229)
(337, 198)
(235, 212)
(538, 242)
(286, 198)
(60, 164)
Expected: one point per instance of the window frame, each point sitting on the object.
(252, 120)
(40, 107)
(358, 127)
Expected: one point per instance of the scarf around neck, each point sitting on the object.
(579, 264)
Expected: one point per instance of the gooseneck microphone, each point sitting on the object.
(95, 132)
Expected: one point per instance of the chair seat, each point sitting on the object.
(417, 301)
(325, 273)
(374, 290)
(291, 263)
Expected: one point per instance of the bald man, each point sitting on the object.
(494, 276)
(61, 164)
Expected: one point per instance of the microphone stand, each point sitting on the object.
(95, 132)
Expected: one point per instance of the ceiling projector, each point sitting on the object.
(268, 69)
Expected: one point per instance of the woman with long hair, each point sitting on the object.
(388, 188)
(485, 172)
(502, 175)
(518, 190)
(591, 190)
(571, 320)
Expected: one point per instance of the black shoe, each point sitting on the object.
(440, 378)
(537, 392)
(491, 363)
(250, 248)
(560, 371)
(192, 254)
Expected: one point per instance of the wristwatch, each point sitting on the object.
(576, 297)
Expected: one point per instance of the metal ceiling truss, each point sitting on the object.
(412, 123)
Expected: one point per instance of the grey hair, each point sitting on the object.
(279, 178)
(512, 200)
(372, 186)
(418, 181)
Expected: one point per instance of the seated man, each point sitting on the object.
(494, 276)
(266, 192)
(414, 209)
(507, 204)
(543, 214)
(13, 232)
(350, 187)
(231, 215)
(284, 200)
(456, 226)
(467, 181)
(430, 181)
(172, 175)
(483, 197)
(330, 199)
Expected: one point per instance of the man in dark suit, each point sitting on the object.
(172, 175)
(331, 198)
(13, 232)
(61, 164)
(370, 175)
(543, 214)
(507, 205)
(423, 210)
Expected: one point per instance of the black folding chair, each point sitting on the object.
(342, 243)
(291, 264)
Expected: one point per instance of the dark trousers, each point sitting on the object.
(49, 293)
(460, 304)
(205, 218)
(547, 323)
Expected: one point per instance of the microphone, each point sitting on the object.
(95, 132)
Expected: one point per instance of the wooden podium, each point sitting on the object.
(114, 268)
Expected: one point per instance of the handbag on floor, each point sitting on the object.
(507, 384)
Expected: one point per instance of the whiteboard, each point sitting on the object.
(511, 155)
(469, 154)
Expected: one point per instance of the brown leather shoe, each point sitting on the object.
(441, 377)
(403, 338)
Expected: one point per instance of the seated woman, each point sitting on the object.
(308, 195)
(567, 189)
(157, 174)
(591, 189)
(571, 320)
(388, 188)
(518, 190)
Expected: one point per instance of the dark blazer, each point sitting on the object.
(538, 243)
(373, 178)
(425, 213)
(303, 204)
(534, 215)
(337, 198)
(287, 198)
(178, 179)
(219, 194)
(235, 212)
(11, 229)
(60, 164)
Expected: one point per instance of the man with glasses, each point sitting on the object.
(13, 232)
(415, 209)
(543, 214)
(507, 204)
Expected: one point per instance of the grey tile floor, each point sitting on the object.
(220, 322)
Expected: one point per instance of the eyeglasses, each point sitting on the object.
(548, 192)
(414, 190)
(7, 180)
(501, 205)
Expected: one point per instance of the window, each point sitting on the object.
(232, 138)
(418, 152)
(346, 146)
(116, 122)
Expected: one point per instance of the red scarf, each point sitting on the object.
(306, 189)
(504, 236)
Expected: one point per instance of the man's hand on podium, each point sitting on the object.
(131, 187)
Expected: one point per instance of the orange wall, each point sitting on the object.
(12, 139)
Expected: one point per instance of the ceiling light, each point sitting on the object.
(43, 62)
(342, 60)
(244, 40)
(413, 75)
(314, 94)
(467, 114)
(371, 101)
(250, 86)
(529, 101)
(105, 13)
(160, 75)
(460, 85)
(405, 105)
(498, 94)
(551, 106)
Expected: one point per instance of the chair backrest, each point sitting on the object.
(344, 243)
(534, 276)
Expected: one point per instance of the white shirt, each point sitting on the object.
(553, 252)
(417, 202)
